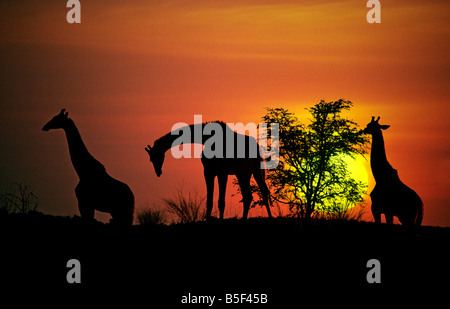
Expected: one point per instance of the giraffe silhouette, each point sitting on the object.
(96, 190)
(390, 196)
(220, 166)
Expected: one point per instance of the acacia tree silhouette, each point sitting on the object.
(312, 175)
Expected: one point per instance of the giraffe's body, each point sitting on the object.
(96, 190)
(390, 196)
(220, 166)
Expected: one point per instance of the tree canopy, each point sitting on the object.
(312, 175)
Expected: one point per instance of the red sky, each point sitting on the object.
(132, 69)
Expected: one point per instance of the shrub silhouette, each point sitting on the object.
(186, 208)
(19, 199)
(151, 217)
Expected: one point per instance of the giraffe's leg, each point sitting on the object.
(389, 218)
(258, 175)
(209, 179)
(244, 183)
(376, 214)
(404, 220)
(86, 209)
(122, 205)
(222, 190)
(407, 216)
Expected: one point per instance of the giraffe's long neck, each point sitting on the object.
(192, 134)
(242, 146)
(381, 168)
(83, 162)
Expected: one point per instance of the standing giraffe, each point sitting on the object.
(219, 167)
(390, 196)
(96, 190)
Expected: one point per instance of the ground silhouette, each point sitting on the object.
(219, 166)
(390, 196)
(96, 190)
(290, 260)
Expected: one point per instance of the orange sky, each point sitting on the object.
(132, 69)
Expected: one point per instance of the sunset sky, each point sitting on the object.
(132, 69)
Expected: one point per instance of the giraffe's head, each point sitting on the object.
(374, 127)
(156, 157)
(57, 122)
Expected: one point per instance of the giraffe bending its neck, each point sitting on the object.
(96, 190)
(243, 166)
(390, 196)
